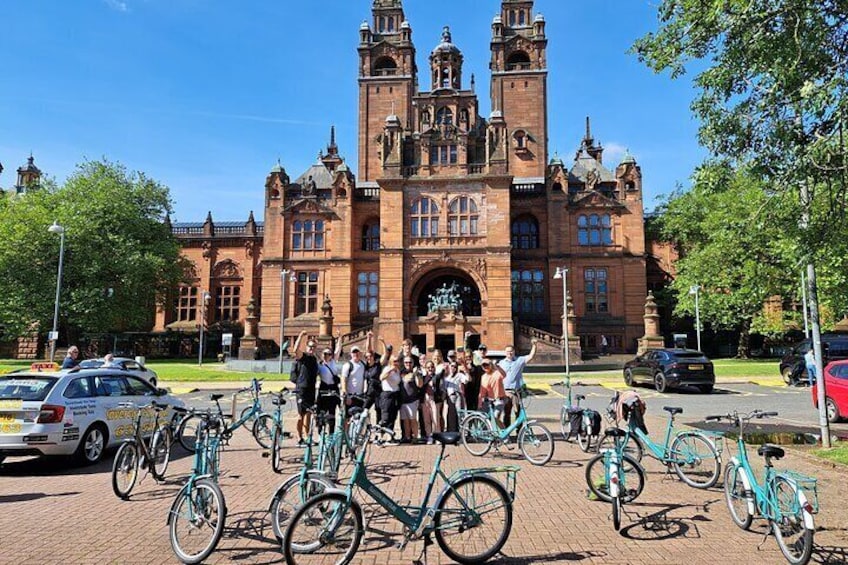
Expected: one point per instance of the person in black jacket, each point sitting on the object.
(306, 365)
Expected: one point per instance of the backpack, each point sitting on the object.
(294, 374)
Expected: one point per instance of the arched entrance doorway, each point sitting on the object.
(444, 304)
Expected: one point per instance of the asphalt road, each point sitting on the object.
(794, 405)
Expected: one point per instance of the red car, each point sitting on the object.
(836, 388)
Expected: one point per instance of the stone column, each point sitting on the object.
(325, 326)
(652, 338)
(575, 352)
(247, 345)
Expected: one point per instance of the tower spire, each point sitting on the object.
(332, 148)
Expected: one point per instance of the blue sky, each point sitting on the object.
(206, 95)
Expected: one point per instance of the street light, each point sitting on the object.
(54, 335)
(283, 280)
(562, 273)
(694, 290)
(204, 302)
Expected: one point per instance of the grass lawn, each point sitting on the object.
(838, 454)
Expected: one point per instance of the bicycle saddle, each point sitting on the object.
(354, 411)
(214, 397)
(580, 397)
(673, 410)
(768, 450)
(615, 432)
(276, 401)
(447, 438)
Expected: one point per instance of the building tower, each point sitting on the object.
(28, 176)
(519, 85)
(387, 81)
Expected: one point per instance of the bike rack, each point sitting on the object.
(805, 483)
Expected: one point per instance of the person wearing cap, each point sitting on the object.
(328, 389)
(353, 379)
(514, 381)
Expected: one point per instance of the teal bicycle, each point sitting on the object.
(615, 477)
(471, 517)
(787, 500)
(692, 455)
(187, 429)
(480, 431)
(577, 421)
(198, 513)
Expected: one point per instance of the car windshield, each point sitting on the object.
(91, 364)
(26, 387)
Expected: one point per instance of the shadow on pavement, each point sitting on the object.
(830, 555)
(561, 556)
(26, 497)
(658, 526)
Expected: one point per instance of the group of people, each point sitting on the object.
(426, 391)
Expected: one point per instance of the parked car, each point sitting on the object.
(834, 346)
(666, 368)
(73, 412)
(125, 364)
(836, 388)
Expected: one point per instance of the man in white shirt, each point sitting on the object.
(353, 379)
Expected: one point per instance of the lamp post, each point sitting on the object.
(54, 335)
(204, 301)
(283, 278)
(695, 290)
(562, 273)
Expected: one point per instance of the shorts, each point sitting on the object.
(305, 400)
(409, 411)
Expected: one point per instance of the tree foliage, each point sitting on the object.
(119, 255)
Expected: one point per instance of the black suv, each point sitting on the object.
(834, 346)
(665, 368)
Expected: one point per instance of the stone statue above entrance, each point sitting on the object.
(445, 298)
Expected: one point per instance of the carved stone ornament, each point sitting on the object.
(227, 269)
(592, 179)
(206, 246)
(250, 247)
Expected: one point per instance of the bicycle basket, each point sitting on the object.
(805, 483)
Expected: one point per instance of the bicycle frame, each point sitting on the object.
(255, 408)
(663, 452)
(203, 467)
(138, 434)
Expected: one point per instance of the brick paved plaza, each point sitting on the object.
(54, 514)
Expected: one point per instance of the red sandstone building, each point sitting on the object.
(444, 200)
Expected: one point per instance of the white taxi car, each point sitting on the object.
(124, 363)
(72, 412)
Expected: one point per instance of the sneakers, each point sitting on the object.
(430, 440)
(301, 442)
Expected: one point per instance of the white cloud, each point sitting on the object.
(117, 5)
(614, 152)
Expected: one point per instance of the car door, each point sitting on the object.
(643, 370)
(143, 394)
(112, 390)
(837, 388)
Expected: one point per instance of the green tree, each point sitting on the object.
(119, 255)
(731, 245)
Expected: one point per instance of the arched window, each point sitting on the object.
(521, 18)
(308, 235)
(424, 218)
(525, 233)
(520, 139)
(444, 116)
(391, 25)
(518, 60)
(462, 217)
(595, 288)
(385, 66)
(528, 292)
(594, 230)
(371, 237)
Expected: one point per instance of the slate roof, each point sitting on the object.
(585, 163)
(322, 177)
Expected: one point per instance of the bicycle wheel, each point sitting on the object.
(125, 469)
(631, 483)
(736, 498)
(326, 529)
(695, 460)
(616, 513)
(247, 417)
(476, 434)
(633, 447)
(160, 451)
(277, 449)
(584, 440)
(564, 423)
(263, 427)
(473, 519)
(356, 431)
(792, 535)
(197, 521)
(292, 494)
(536, 443)
(187, 432)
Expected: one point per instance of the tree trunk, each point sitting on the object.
(744, 349)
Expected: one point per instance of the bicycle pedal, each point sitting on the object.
(287, 435)
(266, 455)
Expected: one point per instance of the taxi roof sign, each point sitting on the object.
(44, 366)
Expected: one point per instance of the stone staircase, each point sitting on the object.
(549, 347)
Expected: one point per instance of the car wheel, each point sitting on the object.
(92, 445)
(660, 382)
(706, 389)
(832, 411)
(786, 373)
(628, 377)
